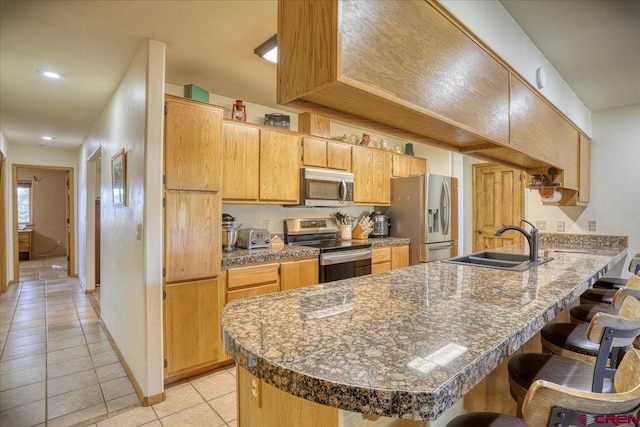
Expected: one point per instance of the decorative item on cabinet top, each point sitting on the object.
(277, 120)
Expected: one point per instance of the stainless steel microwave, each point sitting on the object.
(324, 187)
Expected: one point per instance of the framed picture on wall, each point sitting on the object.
(119, 178)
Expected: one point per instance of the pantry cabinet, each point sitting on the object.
(321, 153)
(191, 327)
(298, 274)
(192, 237)
(240, 162)
(192, 145)
(372, 173)
(193, 248)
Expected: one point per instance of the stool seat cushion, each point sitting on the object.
(585, 312)
(486, 419)
(597, 296)
(610, 283)
(570, 336)
(526, 368)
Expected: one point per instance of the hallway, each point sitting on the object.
(57, 367)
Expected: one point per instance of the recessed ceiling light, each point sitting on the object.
(50, 74)
(48, 138)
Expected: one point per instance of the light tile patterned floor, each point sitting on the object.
(57, 367)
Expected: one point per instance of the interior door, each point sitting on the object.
(3, 227)
(498, 199)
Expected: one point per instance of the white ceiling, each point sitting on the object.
(594, 44)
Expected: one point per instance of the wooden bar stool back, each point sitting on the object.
(552, 405)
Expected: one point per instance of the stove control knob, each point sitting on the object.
(254, 241)
(267, 240)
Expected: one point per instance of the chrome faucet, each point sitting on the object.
(533, 238)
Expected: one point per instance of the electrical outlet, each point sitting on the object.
(265, 224)
(593, 226)
(560, 226)
(541, 224)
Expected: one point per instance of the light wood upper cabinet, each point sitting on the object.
(321, 153)
(372, 173)
(240, 162)
(338, 156)
(279, 166)
(298, 274)
(192, 145)
(192, 235)
(537, 129)
(403, 165)
(314, 152)
(191, 326)
(417, 165)
(416, 71)
(584, 192)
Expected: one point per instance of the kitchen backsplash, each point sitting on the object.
(256, 215)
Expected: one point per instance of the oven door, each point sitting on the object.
(344, 264)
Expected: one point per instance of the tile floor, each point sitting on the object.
(57, 367)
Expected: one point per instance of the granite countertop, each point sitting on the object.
(406, 343)
(244, 256)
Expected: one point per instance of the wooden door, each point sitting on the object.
(298, 274)
(279, 166)
(314, 152)
(3, 226)
(192, 235)
(192, 145)
(240, 162)
(191, 326)
(498, 199)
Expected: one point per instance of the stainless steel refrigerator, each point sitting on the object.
(424, 208)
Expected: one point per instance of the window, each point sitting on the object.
(24, 202)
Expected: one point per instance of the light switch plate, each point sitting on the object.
(560, 226)
(541, 224)
(593, 226)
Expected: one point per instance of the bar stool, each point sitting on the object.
(605, 296)
(571, 339)
(549, 404)
(612, 332)
(583, 313)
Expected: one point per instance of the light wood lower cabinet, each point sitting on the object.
(298, 274)
(389, 258)
(399, 256)
(243, 282)
(24, 243)
(192, 327)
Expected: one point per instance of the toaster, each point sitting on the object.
(254, 238)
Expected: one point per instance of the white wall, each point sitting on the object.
(131, 285)
(4, 148)
(492, 24)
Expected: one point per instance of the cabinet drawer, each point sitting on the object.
(253, 275)
(379, 255)
(380, 267)
(251, 292)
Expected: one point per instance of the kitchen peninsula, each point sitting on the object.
(401, 347)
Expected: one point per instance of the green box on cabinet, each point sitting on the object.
(194, 92)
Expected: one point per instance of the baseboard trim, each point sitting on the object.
(144, 400)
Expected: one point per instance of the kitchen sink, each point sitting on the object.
(498, 260)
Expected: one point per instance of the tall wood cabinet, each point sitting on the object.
(192, 237)
(372, 174)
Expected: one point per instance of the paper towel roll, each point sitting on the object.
(549, 197)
